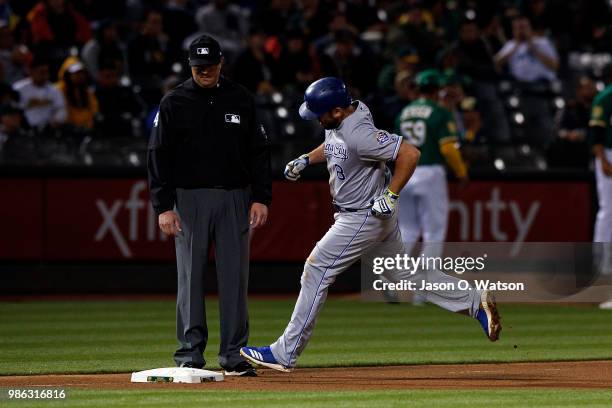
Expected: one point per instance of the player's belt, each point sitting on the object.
(345, 209)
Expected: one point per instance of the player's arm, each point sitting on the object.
(316, 155)
(452, 155)
(160, 171)
(449, 147)
(405, 163)
(295, 166)
(375, 145)
(598, 124)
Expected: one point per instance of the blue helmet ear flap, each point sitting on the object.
(306, 113)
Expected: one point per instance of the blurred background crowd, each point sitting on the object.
(80, 80)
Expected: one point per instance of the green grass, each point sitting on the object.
(403, 398)
(71, 337)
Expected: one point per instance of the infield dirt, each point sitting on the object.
(574, 374)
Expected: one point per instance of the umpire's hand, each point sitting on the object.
(258, 215)
(169, 223)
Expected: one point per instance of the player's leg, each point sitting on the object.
(478, 304)
(231, 231)
(603, 223)
(409, 222)
(434, 211)
(452, 300)
(191, 260)
(342, 245)
(409, 225)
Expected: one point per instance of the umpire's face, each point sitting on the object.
(206, 76)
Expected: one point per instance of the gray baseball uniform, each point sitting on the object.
(356, 154)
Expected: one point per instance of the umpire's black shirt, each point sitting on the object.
(207, 138)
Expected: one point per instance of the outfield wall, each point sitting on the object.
(92, 219)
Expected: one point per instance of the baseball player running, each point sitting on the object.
(365, 201)
(601, 128)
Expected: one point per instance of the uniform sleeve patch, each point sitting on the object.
(382, 137)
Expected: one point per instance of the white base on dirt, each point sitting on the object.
(177, 375)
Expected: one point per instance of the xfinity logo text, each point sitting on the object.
(134, 205)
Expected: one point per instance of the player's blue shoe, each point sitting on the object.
(262, 356)
(488, 316)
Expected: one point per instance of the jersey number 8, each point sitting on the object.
(414, 132)
(339, 172)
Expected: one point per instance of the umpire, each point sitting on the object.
(209, 177)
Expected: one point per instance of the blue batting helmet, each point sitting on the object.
(322, 96)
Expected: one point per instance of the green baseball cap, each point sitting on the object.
(428, 77)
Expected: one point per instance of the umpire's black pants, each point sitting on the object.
(221, 216)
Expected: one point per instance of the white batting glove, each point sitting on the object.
(294, 167)
(383, 206)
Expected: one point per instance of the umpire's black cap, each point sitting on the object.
(204, 50)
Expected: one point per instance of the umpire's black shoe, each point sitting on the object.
(190, 364)
(242, 369)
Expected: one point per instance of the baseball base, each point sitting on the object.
(176, 375)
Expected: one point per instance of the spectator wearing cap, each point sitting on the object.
(209, 178)
(530, 58)
(254, 68)
(43, 104)
(81, 101)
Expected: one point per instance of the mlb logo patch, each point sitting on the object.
(382, 137)
(202, 51)
(232, 118)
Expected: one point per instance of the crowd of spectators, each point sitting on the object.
(99, 68)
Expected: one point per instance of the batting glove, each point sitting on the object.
(294, 167)
(383, 206)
